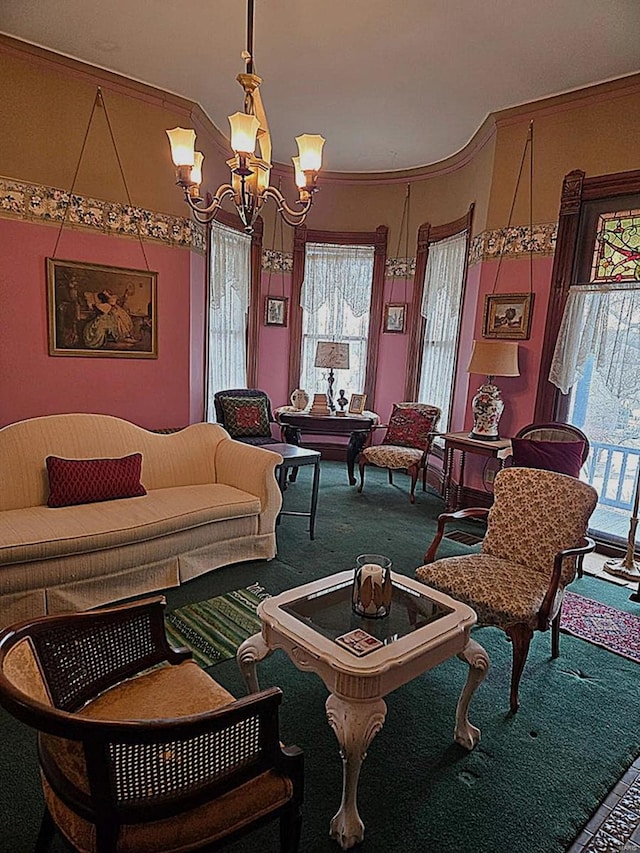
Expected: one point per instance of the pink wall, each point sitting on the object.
(154, 393)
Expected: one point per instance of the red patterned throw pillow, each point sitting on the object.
(246, 416)
(84, 481)
(410, 427)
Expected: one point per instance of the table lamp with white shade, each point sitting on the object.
(493, 358)
(334, 356)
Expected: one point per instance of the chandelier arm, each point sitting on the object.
(202, 210)
(290, 216)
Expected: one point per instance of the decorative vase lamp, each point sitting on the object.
(332, 355)
(494, 358)
(372, 590)
(628, 568)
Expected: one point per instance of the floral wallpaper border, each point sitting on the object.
(513, 241)
(34, 202)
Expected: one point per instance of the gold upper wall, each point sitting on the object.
(46, 101)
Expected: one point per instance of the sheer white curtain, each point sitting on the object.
(441, 307)
(602, 321)
(336, 300)
(229, 279)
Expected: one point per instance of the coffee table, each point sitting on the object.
(423, 629)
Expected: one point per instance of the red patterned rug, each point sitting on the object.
(597, 623)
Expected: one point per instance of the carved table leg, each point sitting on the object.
(475, 656)
(252, 650)
(355, 725)
(357, 441)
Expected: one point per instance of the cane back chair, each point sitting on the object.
(139, 748)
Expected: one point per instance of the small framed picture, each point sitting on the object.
(394, 317)
(275, 310)
(356, 404)
(507, 316)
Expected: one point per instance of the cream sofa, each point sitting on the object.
(210, 501)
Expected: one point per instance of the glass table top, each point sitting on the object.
(329, 612)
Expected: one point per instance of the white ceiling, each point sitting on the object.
(391, 84)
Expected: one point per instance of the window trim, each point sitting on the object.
(417, 323)
(551, 404)
(377, 239)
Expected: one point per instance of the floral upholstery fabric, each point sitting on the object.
(535, 514)
(411, 425)
(386, 456)
(498, 590)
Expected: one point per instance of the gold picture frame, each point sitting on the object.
(100, 311)
(507, 316)
(276, 310)
(356, 404)
(395, 315)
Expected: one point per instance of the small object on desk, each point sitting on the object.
(319, 405)
(299, 399)
(358, 642)
(342, 402)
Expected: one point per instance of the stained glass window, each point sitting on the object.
(617, 250)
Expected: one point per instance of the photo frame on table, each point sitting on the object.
(276, 310)
(395, 314)
(356, 404)
(507, 316)
(101, 311)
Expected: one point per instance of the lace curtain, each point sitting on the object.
(336, 299)
(441, 307)
(602, 321)
(229, 278)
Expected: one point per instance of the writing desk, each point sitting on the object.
(357, 427)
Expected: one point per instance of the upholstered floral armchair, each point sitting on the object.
(406, 444)
(536, 529)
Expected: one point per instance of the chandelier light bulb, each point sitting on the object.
(182, 141)
(196, 172)
(299, 174)
(244, 130)
(310, 148)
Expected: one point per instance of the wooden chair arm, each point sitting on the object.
(547, 603)
(443, 519)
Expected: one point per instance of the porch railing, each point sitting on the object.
(612, 469)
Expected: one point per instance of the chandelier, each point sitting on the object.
(250, 172)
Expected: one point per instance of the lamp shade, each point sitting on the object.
(182, 141)
(494, 358)
(244, 129)
(310, 149)
(333, 355)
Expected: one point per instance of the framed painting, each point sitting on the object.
(100, 311)
(394, 317)
(275, 310)
(507, 316)
(356, 404)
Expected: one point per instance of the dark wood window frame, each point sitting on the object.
(377, 239)
(427, 235)
(232, 220)
(577, 190)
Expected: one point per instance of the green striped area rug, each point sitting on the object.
(214, 629)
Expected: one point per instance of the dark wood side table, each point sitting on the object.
(461, 442)
(295, 457)
(357, 427)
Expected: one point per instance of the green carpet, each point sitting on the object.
(530, 785)
(213, 629)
